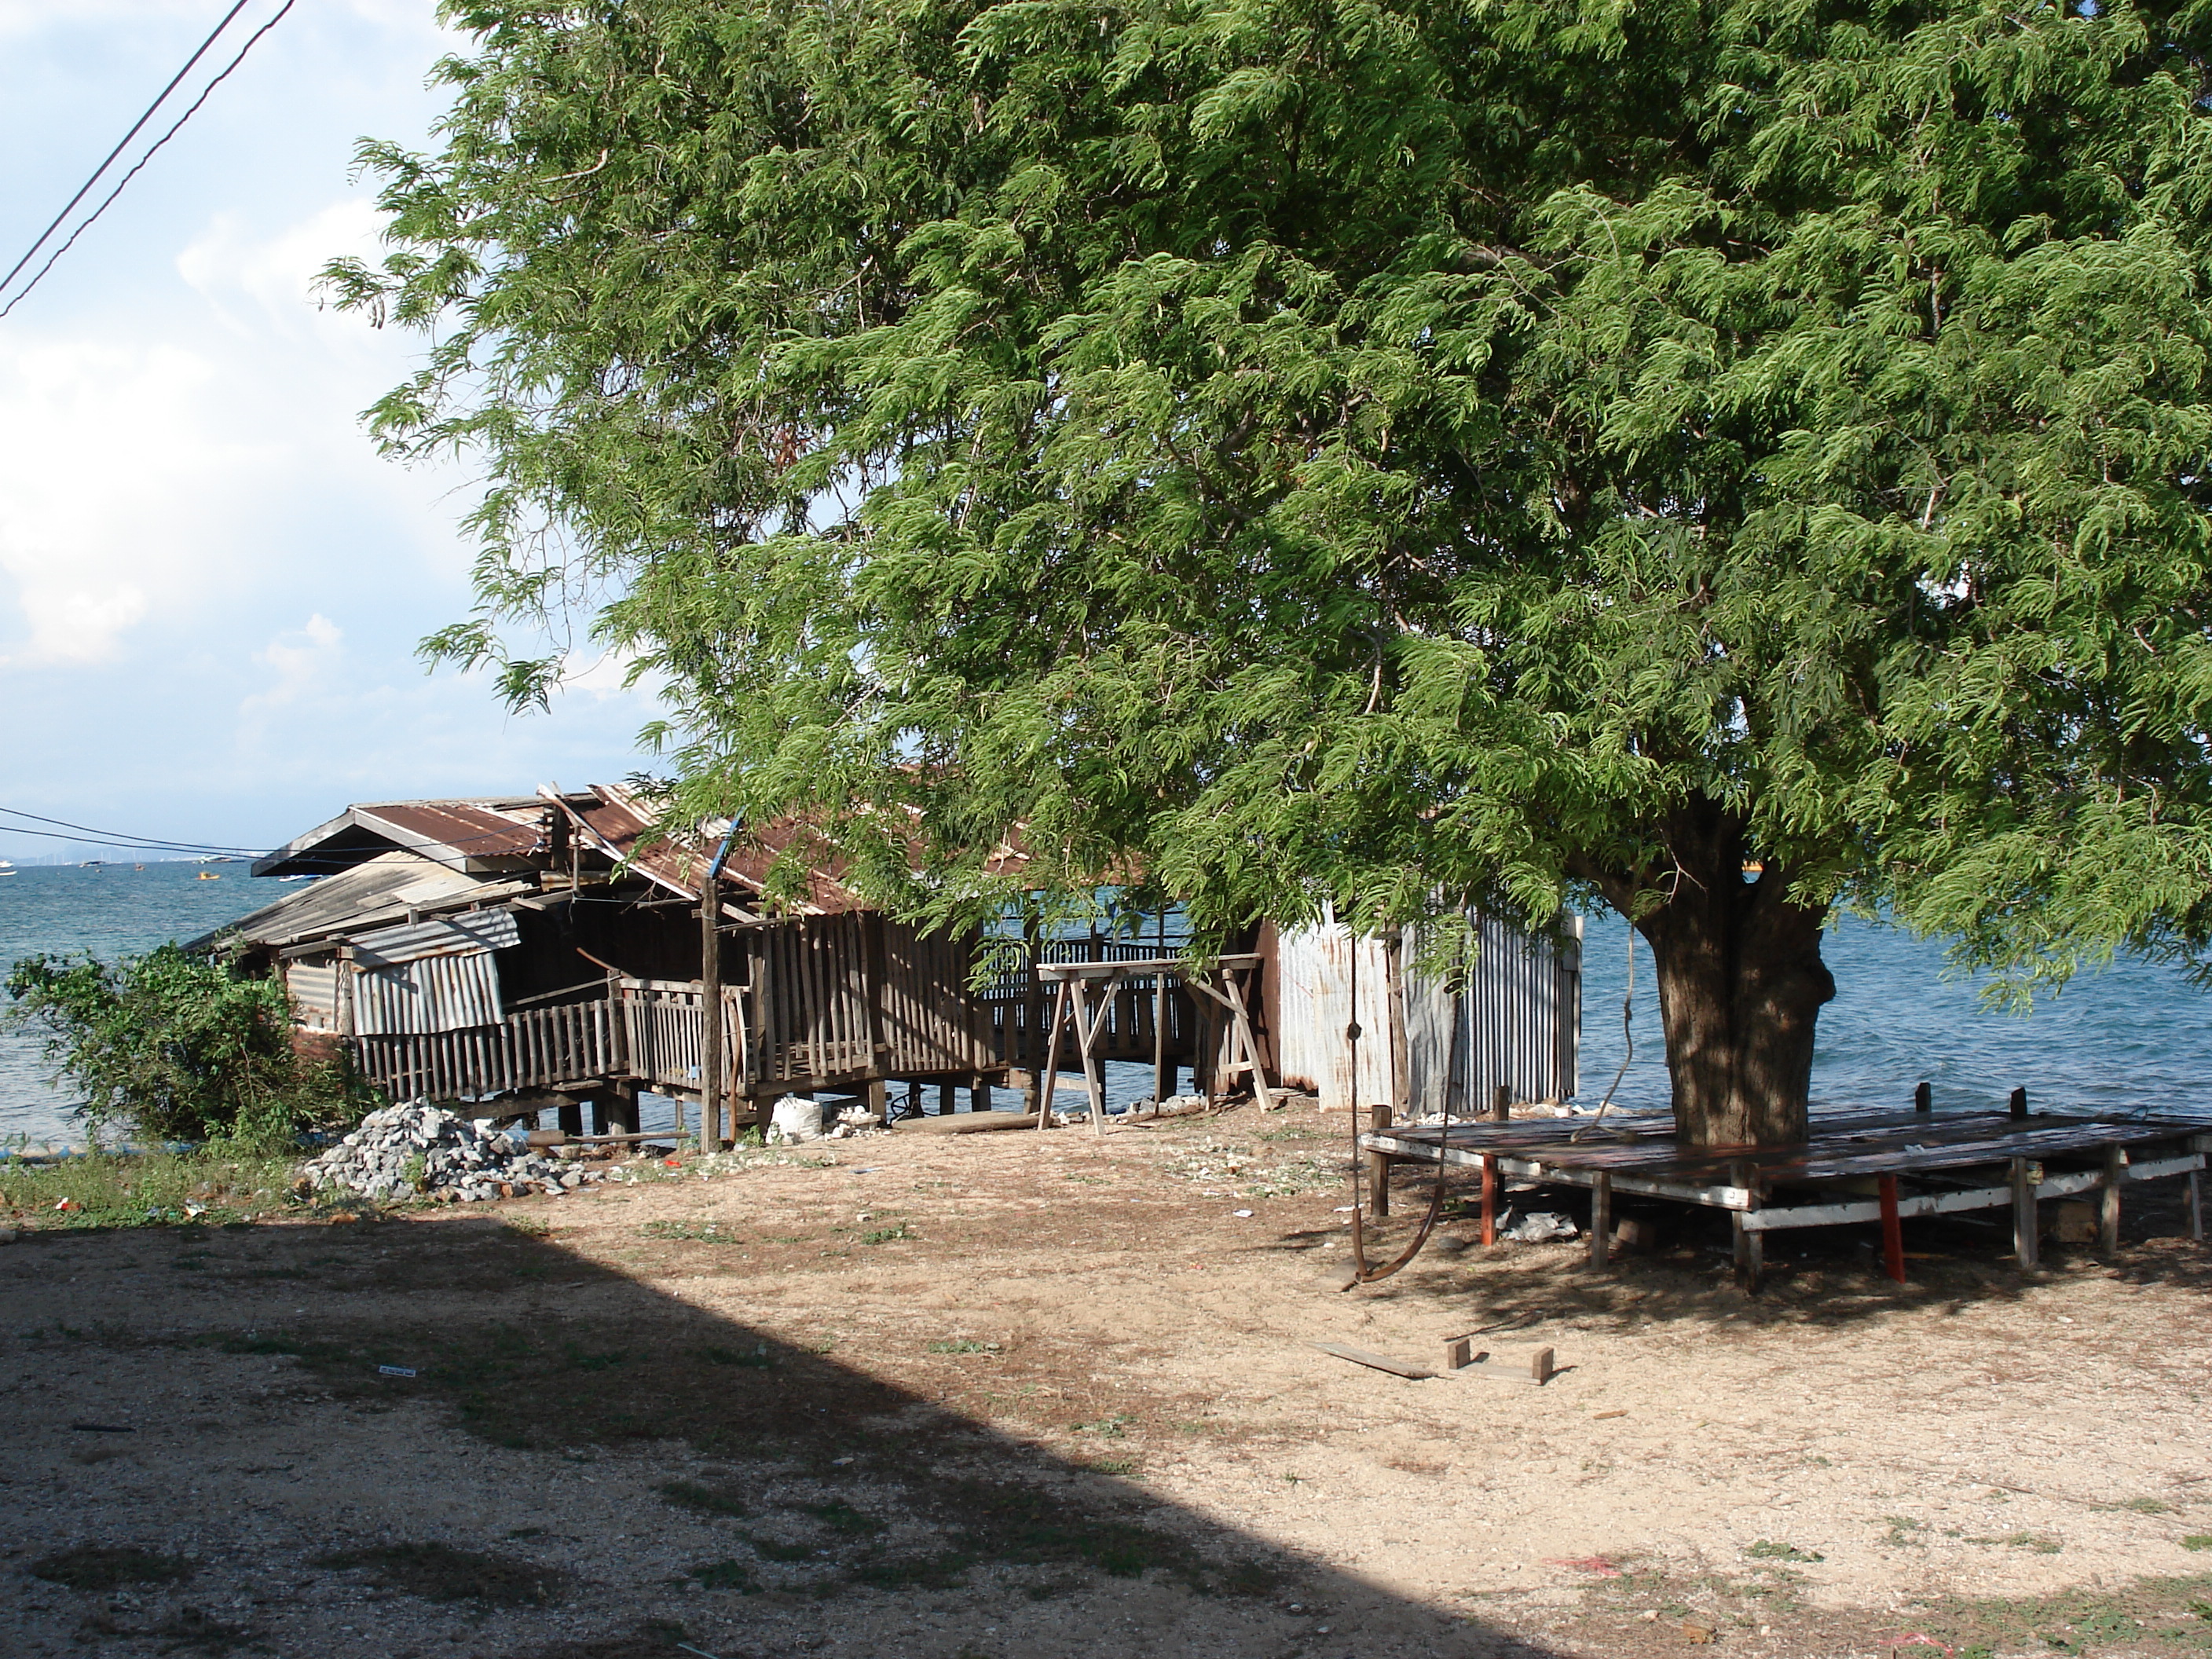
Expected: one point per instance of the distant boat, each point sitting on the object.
(6, 868)
(94, 863)
(307, 877)
(210, 875)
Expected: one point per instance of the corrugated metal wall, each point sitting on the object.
(434, 994)
(1517, 1020)
(315, 989)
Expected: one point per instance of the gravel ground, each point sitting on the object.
(1040, 1394)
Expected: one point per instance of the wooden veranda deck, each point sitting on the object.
(1858, 1167)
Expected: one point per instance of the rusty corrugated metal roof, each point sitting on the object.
(492, 836)
(624, 826)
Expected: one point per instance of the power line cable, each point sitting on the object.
(119, 836)
(85, 189)
(92, 218)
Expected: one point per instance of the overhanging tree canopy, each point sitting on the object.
(1733, 458)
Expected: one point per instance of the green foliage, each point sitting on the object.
(180, 1048)
(1374, 450)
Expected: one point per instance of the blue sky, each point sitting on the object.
(211, 586)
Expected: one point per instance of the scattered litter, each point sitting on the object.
(1600, 1417)
(1344, 1209)
(793, 1120)
(702, 1652)
(10, 1235)
(1538, 1227)
(66, 1204)
(839, 1462)
(1696, 1635)
(873, 1169)
(418, 1149)
(395, 1370)
(1245, 1214)
(101, 1428)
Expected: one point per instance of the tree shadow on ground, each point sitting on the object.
(763, 1496)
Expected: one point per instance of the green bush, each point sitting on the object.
(176, 1047)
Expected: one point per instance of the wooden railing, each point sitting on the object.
(535, 1049)
(664, 1033)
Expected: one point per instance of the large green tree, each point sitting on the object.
(1736, 458)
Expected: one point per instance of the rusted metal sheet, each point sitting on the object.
(1515, 1021)
(477, 837)
(618, 823)
(431, 995)
(449, 936)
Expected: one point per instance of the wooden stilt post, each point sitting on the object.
(1489, 1198)
(1162, 1068)
(1749, 1244)
(1924, 1099)
(2026, 1226)
(2017, 1105)
(2196, 1205)
(946, 1106)
(710, 1013)
(1049, 1076)
(1378, 1163)
(1501, 1105)
(570, 1116)
(2108, 1200)
(1893, 1230)
(1087, 1027)
(979, 1097)
(1601, 1238)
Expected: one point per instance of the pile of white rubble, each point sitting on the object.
(420, 1151)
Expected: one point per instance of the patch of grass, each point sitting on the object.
(188, 1627)
(2024, 1540)
(1901, 1529)
(707, 1500)
(2147, 1506)
(1111, 1464)
(695, 1232)
(725, 1576)
(963, 1345)
(208, 1187)
(439, 1572)
(758, 1359)
(888, 1235)
(1110, 1427)
(774, 1549)
(93, 1567)
(582, 1361)
(2198, 1541)
(528, 1226)
(842, 1517)
(1767, 1550)
(948, 1571)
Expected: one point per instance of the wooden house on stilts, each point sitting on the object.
(546, 952)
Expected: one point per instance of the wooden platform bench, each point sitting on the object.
(1857, 1167)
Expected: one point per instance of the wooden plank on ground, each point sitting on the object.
(1381, 1362)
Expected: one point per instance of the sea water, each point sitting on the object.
(113, 911)
(2130, 1037)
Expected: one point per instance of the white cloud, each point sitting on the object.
(117, 479)
(299, 661)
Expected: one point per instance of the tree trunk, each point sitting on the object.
(1740, 986)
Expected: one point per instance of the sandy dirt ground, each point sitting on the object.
(982, 1397)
